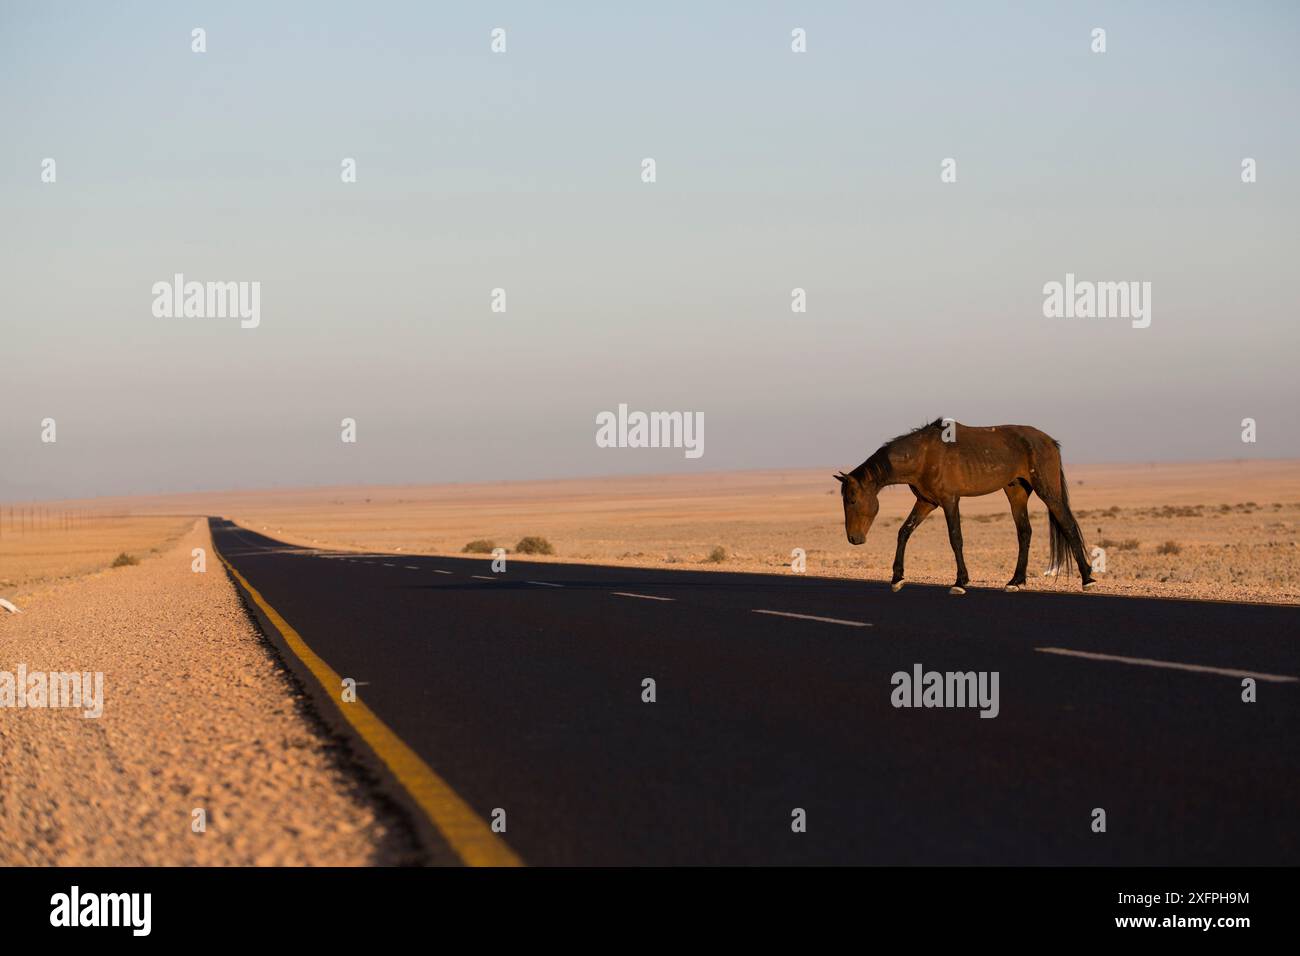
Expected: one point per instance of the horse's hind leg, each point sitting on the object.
(953, 514)
(1018, 495)
(1063, 526)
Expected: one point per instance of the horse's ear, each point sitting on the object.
(841, 477)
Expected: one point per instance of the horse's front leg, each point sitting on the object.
(920, 511)
(953, 514)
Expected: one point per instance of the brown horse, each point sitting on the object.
(945, 461)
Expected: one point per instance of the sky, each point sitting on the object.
(522, 170)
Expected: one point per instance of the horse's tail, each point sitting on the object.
(1058, 536)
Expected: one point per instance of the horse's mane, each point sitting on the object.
(876, 468)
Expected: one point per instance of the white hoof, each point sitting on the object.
(1089, 584)
(897, 586)
(1012, 588)
(955, 590)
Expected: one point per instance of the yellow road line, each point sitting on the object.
(471, 839)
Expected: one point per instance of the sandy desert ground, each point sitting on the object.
(1215, 530)
(40, 551)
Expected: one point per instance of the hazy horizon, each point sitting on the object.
(630, 477)
(522, 170)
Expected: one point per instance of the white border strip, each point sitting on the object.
(1172, 665)
(812, 617)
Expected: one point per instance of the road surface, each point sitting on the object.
(522, 693)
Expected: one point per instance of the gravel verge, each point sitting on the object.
(198, 714)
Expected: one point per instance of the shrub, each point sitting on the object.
(717, 555)
(534, 545)
(479, 546)
(124, 560)
(1128, 544)
(1169, 547)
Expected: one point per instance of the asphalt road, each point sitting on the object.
(523, 691)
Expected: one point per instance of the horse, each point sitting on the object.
(945, 461)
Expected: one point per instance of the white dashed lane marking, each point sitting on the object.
(644, 597)
(479, 577)
(1172, 665)
(813, 617)
(545, 584)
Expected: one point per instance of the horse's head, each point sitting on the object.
(860, 506)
